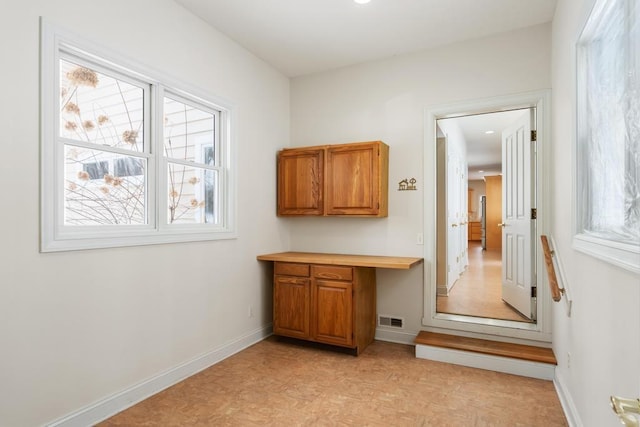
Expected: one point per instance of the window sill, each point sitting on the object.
(623, 255)
(77, 244)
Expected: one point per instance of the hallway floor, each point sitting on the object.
(478, 292)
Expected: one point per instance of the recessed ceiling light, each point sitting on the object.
(480, 171)
(362, 1)
(489, 132)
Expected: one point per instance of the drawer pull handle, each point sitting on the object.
(329, 275)
(293, 281)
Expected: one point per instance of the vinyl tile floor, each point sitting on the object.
(277, 382)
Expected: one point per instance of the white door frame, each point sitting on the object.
(441, 322)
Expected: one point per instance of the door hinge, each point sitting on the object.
(534, 292)
(534, 135)
(534, 213)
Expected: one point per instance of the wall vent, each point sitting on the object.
(394, 322)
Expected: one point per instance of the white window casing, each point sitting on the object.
(607, 211)
(104, 180)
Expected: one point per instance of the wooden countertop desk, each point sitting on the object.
(393, 262)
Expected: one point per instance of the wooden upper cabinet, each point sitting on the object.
(334, 180)
(300, 181)
(357, 179)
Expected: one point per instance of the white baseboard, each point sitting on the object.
(110, 406)
(543, 371)
(399, 337)
(569, 408)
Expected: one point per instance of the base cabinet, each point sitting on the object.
(325, 303)
(294, 294)
(475, 230)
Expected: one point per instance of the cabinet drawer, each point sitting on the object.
(332, 272)
(291, 269)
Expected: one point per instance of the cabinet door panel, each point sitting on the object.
(291, 310)
(350, 180)
(332, 312)
(357, 179)
(300, 182)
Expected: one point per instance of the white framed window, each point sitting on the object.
(128, 156)
(608, 134)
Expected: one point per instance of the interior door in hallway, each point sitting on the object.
(493, 201)
(456, 217)
(517, 216)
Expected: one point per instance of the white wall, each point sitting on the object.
(387, 100)
(77, 327)
(603, 333)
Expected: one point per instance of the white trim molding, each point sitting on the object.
(507, 365)
(397, 337)
(605, 223)
(149, 225)
(541, 330)
(566, 401)
(620, 254)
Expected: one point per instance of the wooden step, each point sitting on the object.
(494, 348)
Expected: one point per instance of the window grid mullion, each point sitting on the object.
(160, 177)
(104, 148)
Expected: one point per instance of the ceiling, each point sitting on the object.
(300, 37)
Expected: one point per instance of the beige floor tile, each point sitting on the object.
(278, 383)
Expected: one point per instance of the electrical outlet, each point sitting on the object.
(568, 360)
(419, 239)
(250, 311)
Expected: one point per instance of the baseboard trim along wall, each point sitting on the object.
(110, 406)
(569, 408)
(396, 336)
(525, 368)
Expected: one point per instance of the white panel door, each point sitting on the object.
(517, 225)
(453, 230)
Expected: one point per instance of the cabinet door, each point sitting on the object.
(291, 306)
(332, 313)
(356, 179)
(300, 182)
